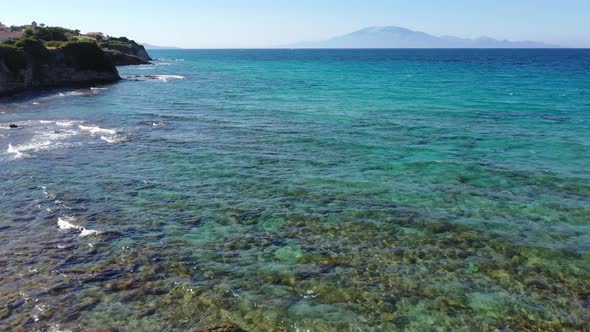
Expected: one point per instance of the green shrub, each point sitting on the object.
(54, 43)
(34, 47)
(120, 39)
(54, 33)
(13, 57)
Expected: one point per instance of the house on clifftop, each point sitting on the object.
(96, 35)
(6, 34)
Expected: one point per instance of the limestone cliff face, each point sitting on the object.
(35, 67)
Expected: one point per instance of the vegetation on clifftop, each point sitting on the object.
(52, 33)
(58, 37)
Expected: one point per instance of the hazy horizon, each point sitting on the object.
(269, 24)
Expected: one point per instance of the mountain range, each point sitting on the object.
(398, 37)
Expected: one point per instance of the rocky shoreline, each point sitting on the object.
(31, 65)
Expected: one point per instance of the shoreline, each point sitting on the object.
(35, 92)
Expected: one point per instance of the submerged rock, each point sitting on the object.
(220, 328)
(289, 254)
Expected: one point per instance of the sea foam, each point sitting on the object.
(40, 141)
(97, 130)
(43, 135)
(67, 223)
(113, 139)
(166, 78)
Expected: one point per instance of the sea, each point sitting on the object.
(302, 190)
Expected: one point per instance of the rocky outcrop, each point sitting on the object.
(33, 66)
(125, 52)
(123, 59)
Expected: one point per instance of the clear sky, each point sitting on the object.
(264, 23)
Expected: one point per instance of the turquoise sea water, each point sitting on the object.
(296, 190)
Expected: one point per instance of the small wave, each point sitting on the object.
(165, 78)
(108, 135)
(18, 154)
(98, 89)
(72, 93)
(88, 232)
(42, 142)
(153, 123)
(66, 123)
(67, 223)
(113, 139)
(97, 130)
(43, 135)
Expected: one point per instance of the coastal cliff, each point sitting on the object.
(129, 48)
(30, 65)
(124, 59)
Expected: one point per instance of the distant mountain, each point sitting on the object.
(397, 37)
(154, 47)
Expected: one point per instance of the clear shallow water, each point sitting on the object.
(296, 190)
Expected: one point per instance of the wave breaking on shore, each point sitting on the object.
(26, 138)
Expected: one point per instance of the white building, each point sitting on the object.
(6, 34)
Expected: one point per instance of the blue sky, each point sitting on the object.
(264, 23)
